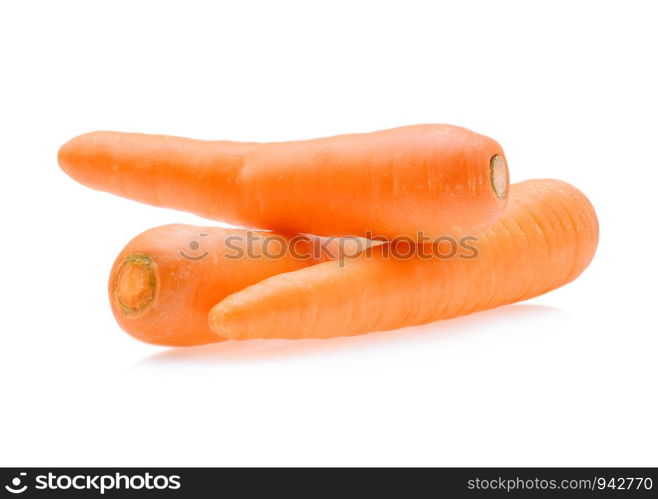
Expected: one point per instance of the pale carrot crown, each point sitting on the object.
(135, 284)
(499, 176)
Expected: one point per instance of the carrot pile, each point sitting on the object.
(423, 189)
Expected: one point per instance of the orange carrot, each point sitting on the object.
(545, 239)
(439, 179)
(165, 280)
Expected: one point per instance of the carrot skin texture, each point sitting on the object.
(166, 279)
(546, 238)
(430, 178)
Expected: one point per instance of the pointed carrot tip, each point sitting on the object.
(224, 322)
(74, 156)
(217, 323)
(64, 155)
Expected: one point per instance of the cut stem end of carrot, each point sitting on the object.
(135, 284)
(499, 176)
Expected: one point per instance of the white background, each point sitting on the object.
(569, 89)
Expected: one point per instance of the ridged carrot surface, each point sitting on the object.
(439, 179)
(166, 280)
(546, 238)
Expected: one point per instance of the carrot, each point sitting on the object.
(545, 239)
(165, 280)
(439, 179)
